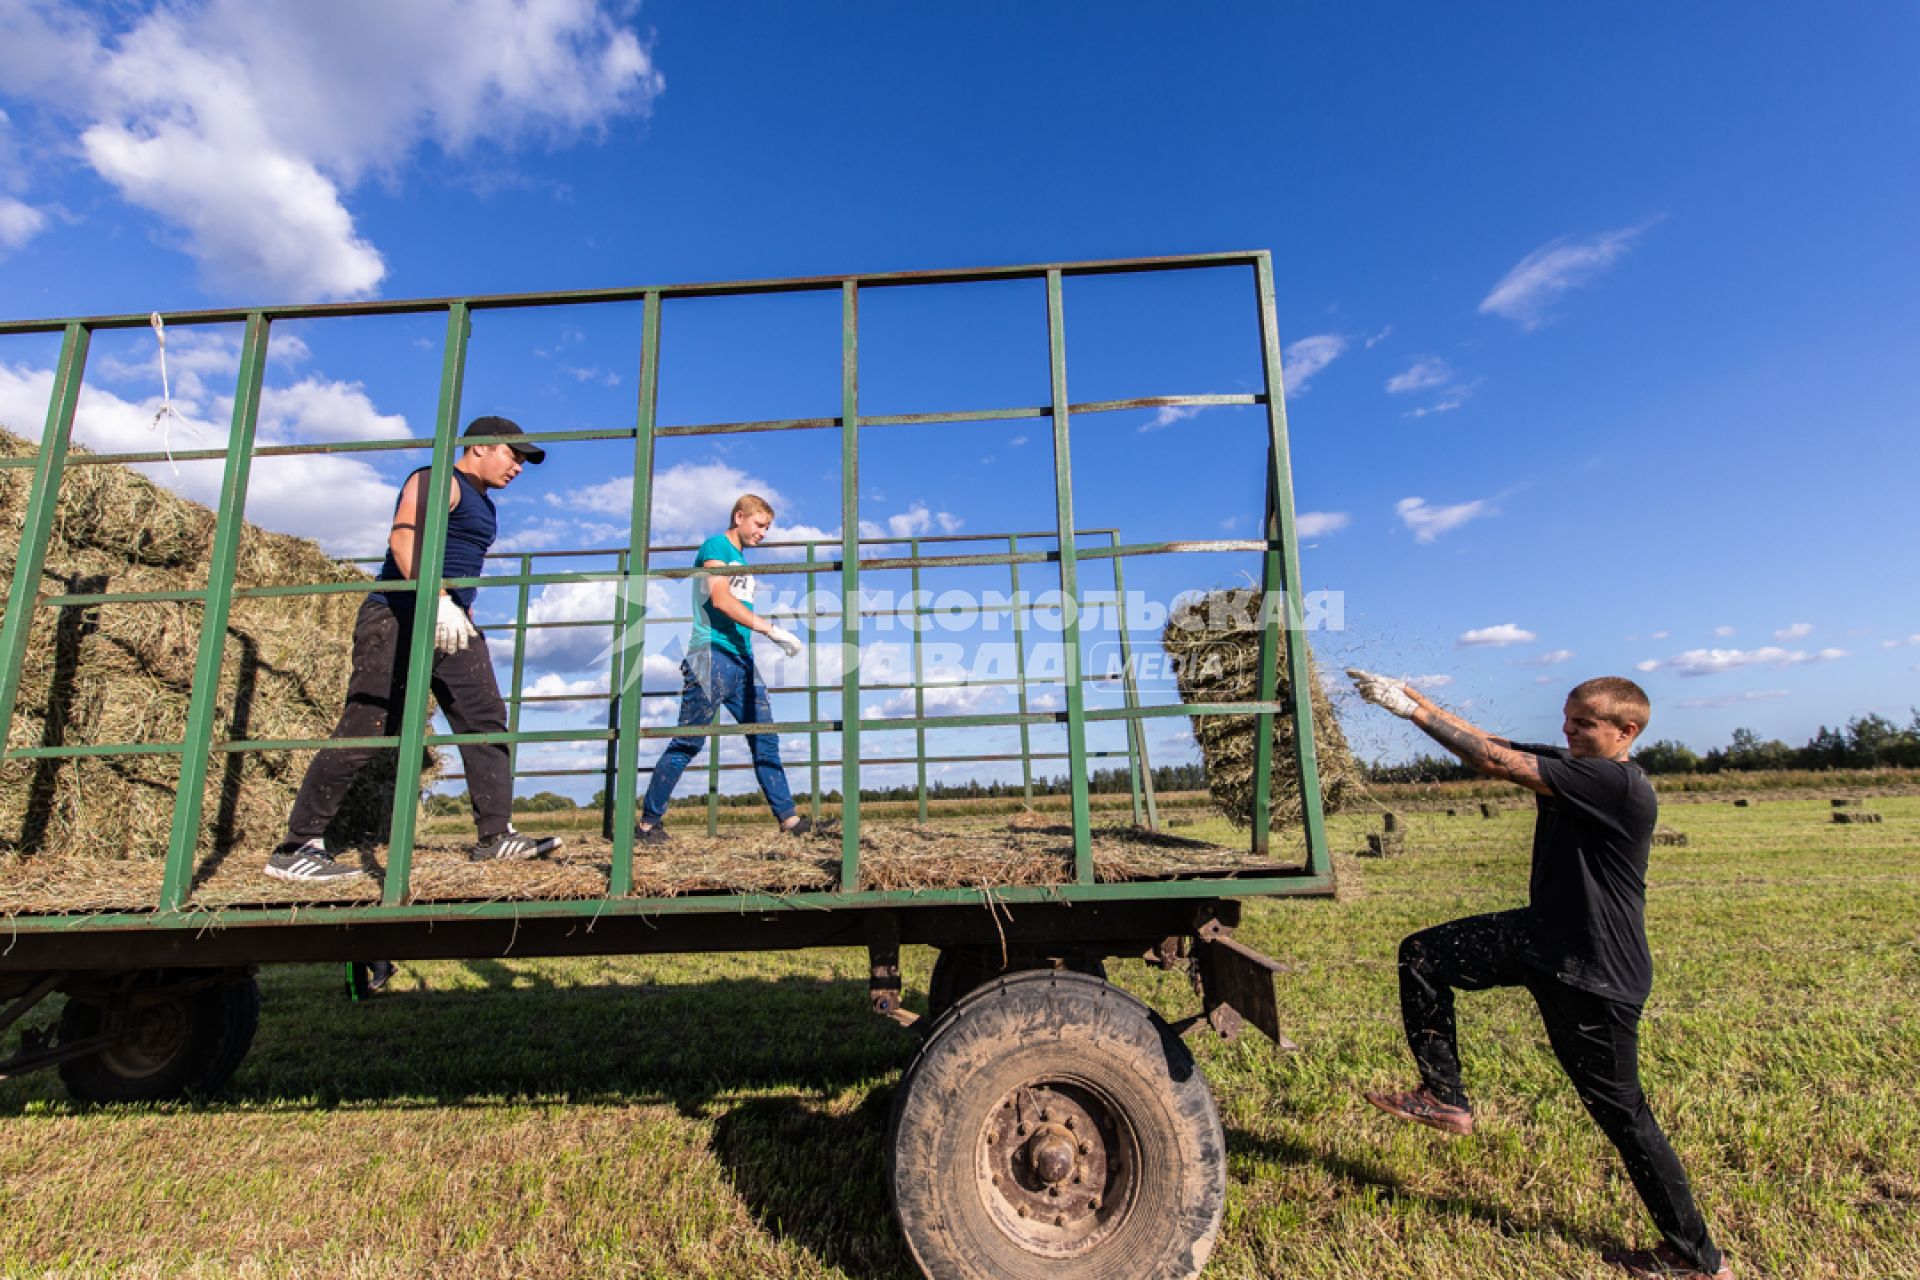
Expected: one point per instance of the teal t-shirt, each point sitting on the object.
(710, 626)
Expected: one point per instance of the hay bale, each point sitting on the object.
(1846, 802)
(1453, 813)
(1742, 803)
(1389, 821)
(1855, 815)
(1665, 835)
(1385, 844)
(1489, 810)
(1214, 641)
(123, 673)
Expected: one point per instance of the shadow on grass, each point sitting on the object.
(817, 1179)
(1365, 1174)
(618, 1044)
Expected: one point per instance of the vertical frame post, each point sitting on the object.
(813, 694)
(616, 684)
(229, 523)
(1282, 571)
(1020, 672)
(43, 500)
(849, 586)
(519, 661)
(1069, 584)
(630, 628)
(1137, 758)
(919, 621)
(427, 572)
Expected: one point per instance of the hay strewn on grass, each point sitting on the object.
(898, 858)
(1214, 641)
(123, 673)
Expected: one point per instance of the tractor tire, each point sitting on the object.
(164, 1049)
(964, 967)
(1055, 1128)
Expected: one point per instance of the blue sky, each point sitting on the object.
(1600, 323)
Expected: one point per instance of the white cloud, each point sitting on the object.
(1552, 658)
(1423, 375)
(242, 126)
(1661, 635)
(692, 501)
(1428, 682)
(1732, 699)
(1379, 337)
(1168, 415)
(953, 699)
(550, 685)
(19, 222)
(342, 503)
(316, 409)
(1016, 442)
(1497, 637)
(1429, 522)
(1309, 356)
(1895, 644)
(1312, 524)
(1706, 662)
(1444, 406)
(1523, 294)
(1723, 632)
(1794, 631)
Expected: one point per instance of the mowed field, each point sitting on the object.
(725, 1115)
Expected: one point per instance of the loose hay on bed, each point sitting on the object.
(893, 858)
(1214, 641)
(123, 673)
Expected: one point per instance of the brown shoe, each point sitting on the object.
(1422, 1107)
(1664, 1262)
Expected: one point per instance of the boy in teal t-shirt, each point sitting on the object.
(719, 671)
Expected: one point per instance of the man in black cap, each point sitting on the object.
(463, 681)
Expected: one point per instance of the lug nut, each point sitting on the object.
(1022, 1129)
(1023, 1211)
(1046, 1114)
(1059, 1219)
(1086, 1148)
(1069, 1122)
(1054, 1192)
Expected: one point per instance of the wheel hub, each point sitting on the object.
(1058, 1168)
(151, 1036)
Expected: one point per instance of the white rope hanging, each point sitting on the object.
(166, 394)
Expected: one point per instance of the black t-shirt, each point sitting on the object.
(1591, 838)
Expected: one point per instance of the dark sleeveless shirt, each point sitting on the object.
(470, 530)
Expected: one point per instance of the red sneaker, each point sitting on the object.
(1422, 1107)
(1664, 1262)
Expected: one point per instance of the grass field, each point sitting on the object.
(725, 1115)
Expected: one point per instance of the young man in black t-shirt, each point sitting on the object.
(1579, 946)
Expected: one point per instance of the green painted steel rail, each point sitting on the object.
(1282, 637)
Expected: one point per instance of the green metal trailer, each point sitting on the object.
(1049, 1123)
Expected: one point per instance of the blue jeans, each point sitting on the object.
(715, 678)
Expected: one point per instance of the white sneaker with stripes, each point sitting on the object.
(308, 860)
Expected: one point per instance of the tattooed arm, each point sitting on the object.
(1479, 749)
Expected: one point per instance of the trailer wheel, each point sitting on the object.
(1056, 1127)
(967, 966)
(164, 1047)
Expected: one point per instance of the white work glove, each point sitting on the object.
(789, 643)
(1382, 691)
(453, 630)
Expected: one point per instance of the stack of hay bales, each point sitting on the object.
(1214, 641)
(123, 673)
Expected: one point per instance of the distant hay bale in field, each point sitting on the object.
(1742, 803)
(1389, 821)
(1386, 844)
(1488, 809)
(1665, 835)
(1453, 813)
(1846, 802)
(1214, 642)
(124, 673)
(1855, 815)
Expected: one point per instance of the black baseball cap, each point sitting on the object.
(492, 425)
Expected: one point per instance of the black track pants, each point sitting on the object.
(468, 695)
(1596, 1040)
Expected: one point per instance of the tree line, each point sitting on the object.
(1866, 742)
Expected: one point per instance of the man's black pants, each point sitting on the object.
(1597, 1041)
(468, 695)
